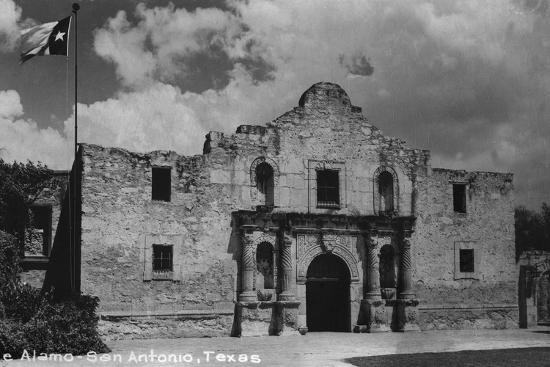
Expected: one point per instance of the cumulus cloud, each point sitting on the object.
(10, 14)
(22, 139)
(156, 47)
(468, 80)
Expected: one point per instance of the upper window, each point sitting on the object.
(459, 198)
(264, 182)
(385, 188)
(161, 183)
(328, 189)
(38, 236)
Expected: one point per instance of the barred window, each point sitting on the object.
(162, 258)
(328, 189)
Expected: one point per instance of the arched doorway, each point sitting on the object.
(327, 294)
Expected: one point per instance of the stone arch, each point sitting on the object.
(385, 175)
(259, 192)
(338, 247)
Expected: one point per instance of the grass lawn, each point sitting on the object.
(531, 357)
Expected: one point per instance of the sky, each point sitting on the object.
(468, 80)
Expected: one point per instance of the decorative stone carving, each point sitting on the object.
(373, 279)
(405, 271)
(406, 304)
(286, 264)
(407, 315)
(343, 246)
(375, 317)
(248, 255)
(248, 262)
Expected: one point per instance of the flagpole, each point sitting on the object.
(76, 7)
(76, 165)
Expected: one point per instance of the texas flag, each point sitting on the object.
(45, 39)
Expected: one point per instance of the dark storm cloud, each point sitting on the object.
(356, 64)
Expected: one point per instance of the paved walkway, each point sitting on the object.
(313, 349)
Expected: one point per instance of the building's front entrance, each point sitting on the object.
(328, 294)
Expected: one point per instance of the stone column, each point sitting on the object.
(286, 273)
(373, 271)
(373, 308)
(405, 271)
(406, 304)
(248, 264)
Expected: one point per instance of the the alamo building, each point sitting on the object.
(314, 222)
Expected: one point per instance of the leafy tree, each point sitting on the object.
(532, 229)
(20, 186)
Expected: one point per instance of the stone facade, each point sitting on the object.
(315, 221)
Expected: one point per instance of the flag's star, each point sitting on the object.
(59, 35)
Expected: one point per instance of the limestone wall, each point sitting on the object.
(118, 215)
(487, 227)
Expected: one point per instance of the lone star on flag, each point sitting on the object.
(59, 36)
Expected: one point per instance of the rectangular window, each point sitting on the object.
(161, 183)
(328, 189)
(459, 198)
(38, 236)
(467, 261)
(162, 258)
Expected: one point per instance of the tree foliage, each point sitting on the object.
(20, 185)
(532, 229)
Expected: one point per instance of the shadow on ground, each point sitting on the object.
(532, 357)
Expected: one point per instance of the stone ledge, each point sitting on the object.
(267, 304)
(116, 315)
(466, 307)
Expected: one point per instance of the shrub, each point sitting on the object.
(12, 338)
(67, 326)
(22, 302)
(9, 260)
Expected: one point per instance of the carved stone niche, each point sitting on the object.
(311, 245)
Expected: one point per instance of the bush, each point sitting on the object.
(9, 260)
(68, 326)
(33, 320)
(22, 302)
